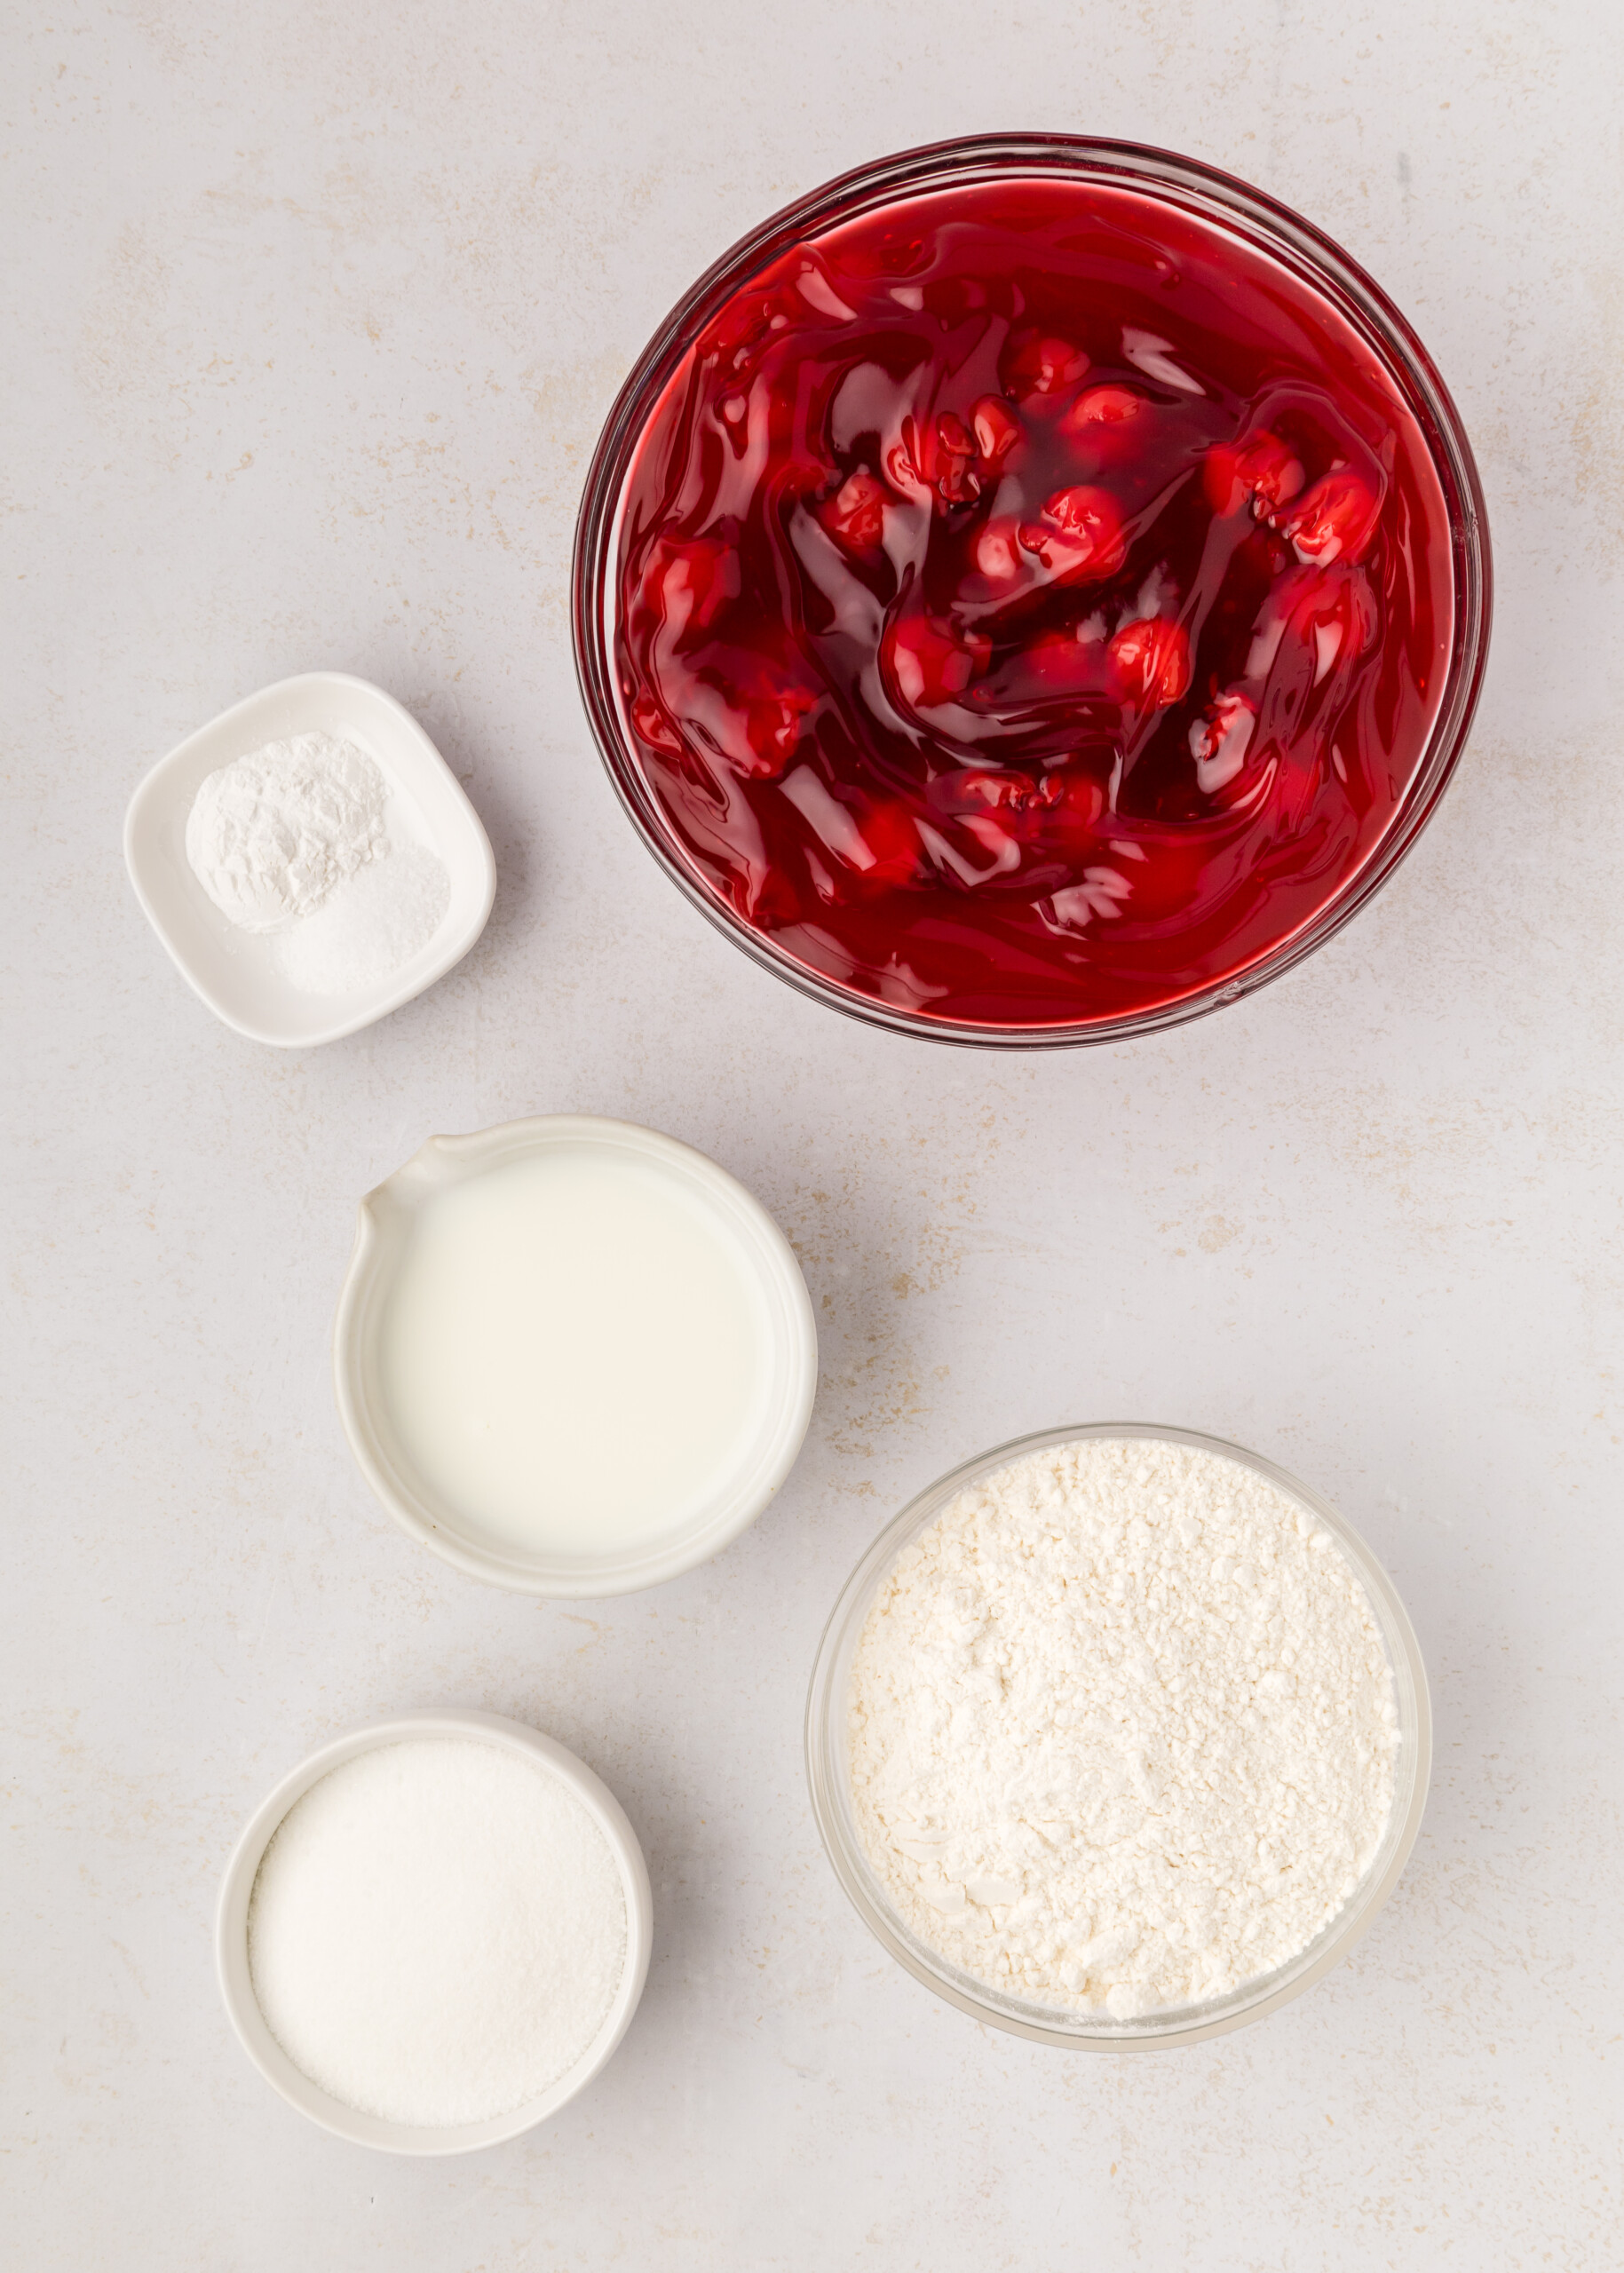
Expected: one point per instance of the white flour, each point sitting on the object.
(291, 841)
(437, 1931)
(1122, 1729)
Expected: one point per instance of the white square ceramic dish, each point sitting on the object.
(236, 972)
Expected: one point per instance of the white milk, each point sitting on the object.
(575, 1356)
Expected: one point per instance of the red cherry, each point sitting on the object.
(997, 553)
(1263, 468)
(1103, 407)
(1090, 515)
(901, 471)
(1070, 805)
(937, 459)
(927, 664)
(1151, 659)
(991, 793)
(1219, 742)
(905, 460)
(856, 514)
(997, 427)
(1081, 534)
(1272, 474)
(889, 832)
(691, 582)
(1334, 520)
(1049, 814)
(955, 446)
(1098, 893)
(1037, 363)
(773, 727)
(1060, 661)
(1334, 609)
(1074, 797)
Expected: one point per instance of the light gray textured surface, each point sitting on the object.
(315, 313)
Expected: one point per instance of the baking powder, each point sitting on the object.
(1122, 1728)
(270, 836)
(291, 840)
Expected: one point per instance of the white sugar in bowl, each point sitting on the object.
(434, 1932)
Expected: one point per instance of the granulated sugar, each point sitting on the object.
(1122, 1728)
(436, 1932)
(368, 926)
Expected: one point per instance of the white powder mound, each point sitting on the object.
(369, 926)
(1122, 1729)
(437, 1931)
(269, 836)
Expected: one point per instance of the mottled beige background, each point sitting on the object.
(314, 314)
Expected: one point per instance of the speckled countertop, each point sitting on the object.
(317, 313)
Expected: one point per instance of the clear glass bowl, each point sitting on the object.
(1215, 197)
(828, 1775)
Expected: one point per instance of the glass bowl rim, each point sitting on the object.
(825, 1757)
(1228, 202)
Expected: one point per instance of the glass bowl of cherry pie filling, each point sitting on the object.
(1032, 591)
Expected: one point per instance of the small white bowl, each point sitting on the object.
(235, 971)
(231, 1934)
(384, 1227)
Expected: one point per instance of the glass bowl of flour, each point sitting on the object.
(1119, 1737)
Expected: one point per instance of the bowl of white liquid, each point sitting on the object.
(572, 1355)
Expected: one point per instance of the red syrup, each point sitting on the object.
(1033, 604)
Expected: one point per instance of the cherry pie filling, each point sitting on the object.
(1032, 604)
